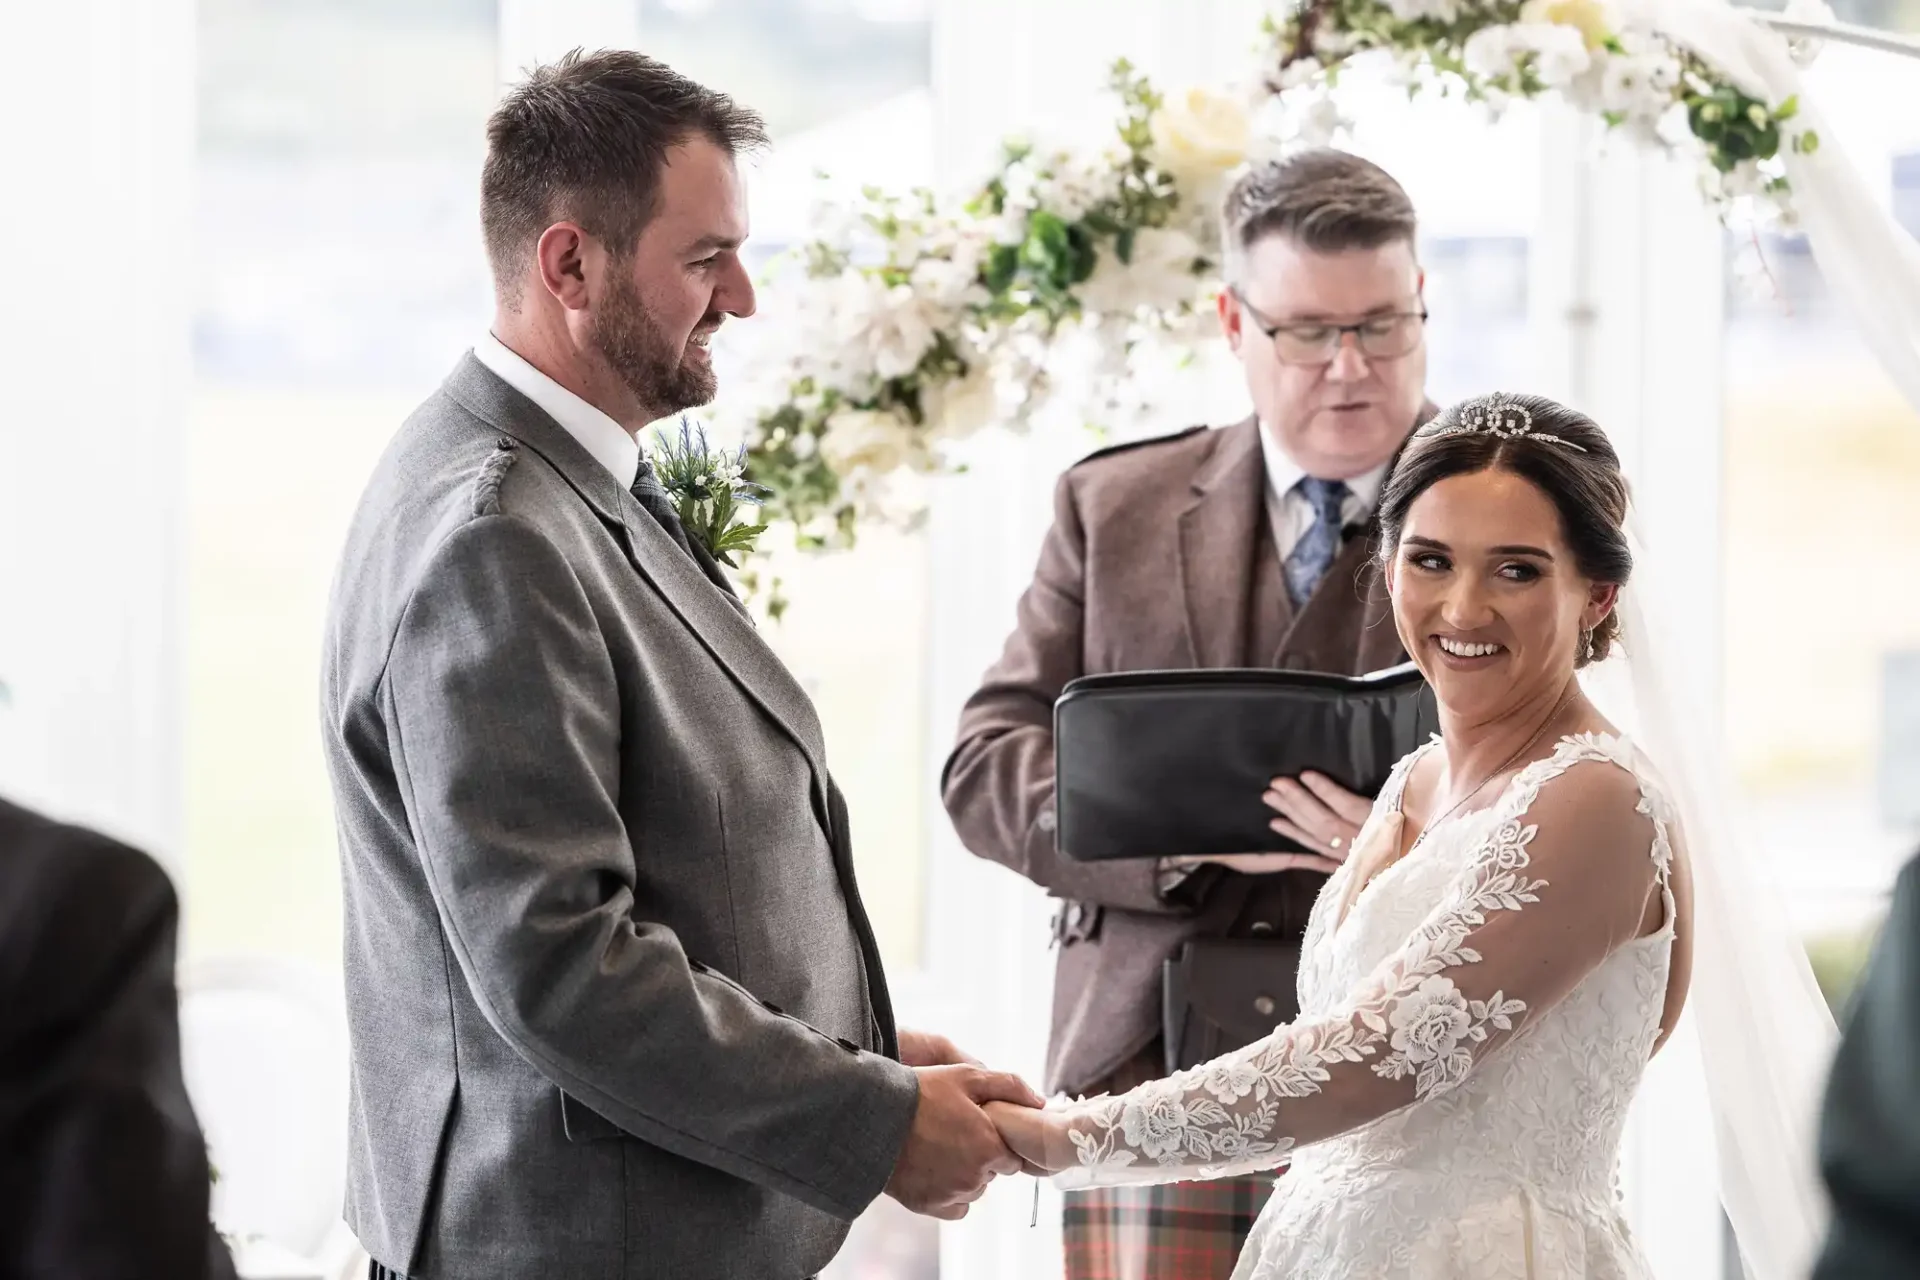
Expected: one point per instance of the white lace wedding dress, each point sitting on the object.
(1451, 1098)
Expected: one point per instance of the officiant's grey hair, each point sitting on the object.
(1323, 200)
(584, 140)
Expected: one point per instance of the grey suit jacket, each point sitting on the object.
(616, 1010)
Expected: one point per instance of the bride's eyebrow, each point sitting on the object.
(1512, 549)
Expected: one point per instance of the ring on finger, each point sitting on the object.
(1335, 843)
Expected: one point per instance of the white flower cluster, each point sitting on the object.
(1564, 45)
(1578, 49)
(892, 298)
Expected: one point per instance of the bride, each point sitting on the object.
(1510, 940)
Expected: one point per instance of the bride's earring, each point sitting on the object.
(1585, 654)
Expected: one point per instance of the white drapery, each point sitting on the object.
(1869, 260)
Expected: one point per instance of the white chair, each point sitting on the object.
(264, 1044)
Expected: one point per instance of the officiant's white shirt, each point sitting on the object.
(1289, 514)
(606, 440)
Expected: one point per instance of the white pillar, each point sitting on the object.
(536, 31)
(94, 355)
(1628, 289)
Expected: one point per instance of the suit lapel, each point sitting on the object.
(722, 626)
(1216, 534)
(718, 621)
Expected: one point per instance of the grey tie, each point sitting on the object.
(1314, 554)
(652, 495)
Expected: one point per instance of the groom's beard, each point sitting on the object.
(642, 356)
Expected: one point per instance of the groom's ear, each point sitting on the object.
(563, 256)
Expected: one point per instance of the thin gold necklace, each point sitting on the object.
(1525, 747)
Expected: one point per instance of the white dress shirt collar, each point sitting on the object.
(606, 440)
(1283, 473)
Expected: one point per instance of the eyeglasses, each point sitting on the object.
(1385, 337)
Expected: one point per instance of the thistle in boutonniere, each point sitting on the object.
(709, 490)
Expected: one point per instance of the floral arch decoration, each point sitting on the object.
(916, 320)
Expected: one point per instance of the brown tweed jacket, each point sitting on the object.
(1160, 557)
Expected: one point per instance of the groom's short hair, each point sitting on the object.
(584, 140)
(1323, 200)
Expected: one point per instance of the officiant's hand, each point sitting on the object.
(953, 1150)
(1319, 813)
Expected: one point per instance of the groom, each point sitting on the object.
(616, 1009)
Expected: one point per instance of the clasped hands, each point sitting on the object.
(971, 1126)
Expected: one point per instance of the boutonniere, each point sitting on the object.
(715, 502)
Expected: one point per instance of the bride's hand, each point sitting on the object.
(1031, 1134)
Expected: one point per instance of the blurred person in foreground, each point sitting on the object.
(103, 1168)
(1870, 1130)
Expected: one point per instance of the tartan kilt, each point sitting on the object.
(1174, 1231)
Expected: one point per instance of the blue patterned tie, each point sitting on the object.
(1313, 555)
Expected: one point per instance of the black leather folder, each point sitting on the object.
(1156, 764)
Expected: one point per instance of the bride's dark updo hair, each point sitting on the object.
(1561, 451)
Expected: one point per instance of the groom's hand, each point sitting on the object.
(926, 1049)
(953, 1150)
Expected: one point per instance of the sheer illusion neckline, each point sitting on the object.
(1396, 810)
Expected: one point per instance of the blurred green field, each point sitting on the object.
(1823, 520)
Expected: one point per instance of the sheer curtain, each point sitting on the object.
(96, 146)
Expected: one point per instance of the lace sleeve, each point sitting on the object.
(1561, 880)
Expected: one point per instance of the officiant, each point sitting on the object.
(1243, 546)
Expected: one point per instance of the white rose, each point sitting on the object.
(1638, 83)
(1021, 184)
(1491, 52)
(1160, 275)
(1009, 227)
(1075, 184)
(959, 409)
(866, 440)
(874, 325)
(1589, 17)
(904, 332)
(1430, 1021)
(950, 283)
(1560, 53)
(1200, 133)
(835, 314)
